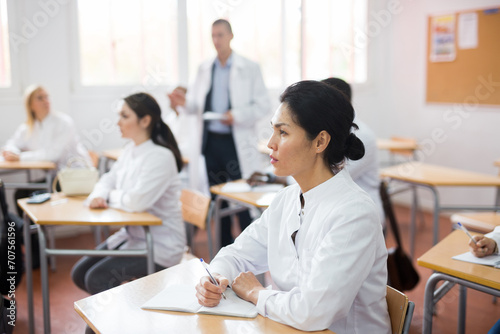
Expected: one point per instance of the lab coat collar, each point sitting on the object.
(137, 150)
(327, 188)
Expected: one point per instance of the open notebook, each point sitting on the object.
(490, 260)
(182, 298)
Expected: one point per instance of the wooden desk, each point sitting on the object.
(27, 166)
(475, 276)
(118, 310)
(431, 177)
(71, 211)
(391, 144)
(243, 201)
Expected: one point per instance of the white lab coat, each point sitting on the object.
(53, 139)
(145, 178)
(365, 170)
(495, 235)
(249, 103)
(335, 274)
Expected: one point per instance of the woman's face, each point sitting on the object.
(130, 125)
(40, 104)
(292, 153)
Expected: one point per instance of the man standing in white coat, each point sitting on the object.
(229, 96)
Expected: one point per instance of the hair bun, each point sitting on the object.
(354, 148)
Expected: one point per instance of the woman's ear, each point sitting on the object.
(145, 121)
(322, 140)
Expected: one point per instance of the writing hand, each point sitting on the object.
(484, 246)
(247, 287)
(98, 203)
(209, 294)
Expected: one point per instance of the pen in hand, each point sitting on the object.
(466, 232)
(211, 277)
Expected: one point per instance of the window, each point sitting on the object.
(127, 42)
(5, 66)
(291, 40)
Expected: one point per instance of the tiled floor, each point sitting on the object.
(481, 312)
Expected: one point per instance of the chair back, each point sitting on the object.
(400, 310)
(195, 207)
(197, 211)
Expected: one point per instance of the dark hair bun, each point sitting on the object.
(354, 147)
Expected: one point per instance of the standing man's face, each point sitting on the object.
(221, 37)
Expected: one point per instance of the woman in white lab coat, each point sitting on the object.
(321, 238)
(144, 178)
(46, 135)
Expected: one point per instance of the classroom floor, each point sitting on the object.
(481, 312)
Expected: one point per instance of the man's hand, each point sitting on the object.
(209, 294)
(247, 287)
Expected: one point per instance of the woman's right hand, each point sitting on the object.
(98, 203)
(484, 246)
(209, 294)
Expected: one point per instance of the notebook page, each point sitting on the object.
(174, 298)
(233, 306)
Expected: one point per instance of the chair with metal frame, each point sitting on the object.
(400, 311)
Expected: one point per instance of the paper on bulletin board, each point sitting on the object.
(467, 30)
(443, 38)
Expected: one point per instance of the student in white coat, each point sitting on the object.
(144, 178)
(321, 238)
(229, 87)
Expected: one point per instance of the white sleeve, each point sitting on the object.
(258, 105)
(495, 235)
(339, 266)
(150, 184)
(62, 136)
(16, 142)
(247, 253)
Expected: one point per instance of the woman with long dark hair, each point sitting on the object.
(144, 178)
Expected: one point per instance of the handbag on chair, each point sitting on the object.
(402, 275)
(76, 180)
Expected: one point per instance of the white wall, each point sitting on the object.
(392, 102)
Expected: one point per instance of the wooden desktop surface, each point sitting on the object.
(27, 165)
(433, 175)
(118, 310)
(71, 211)
(390, 144)
(115, 154)
(439, 258)
(250, 197)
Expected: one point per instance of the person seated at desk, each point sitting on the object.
(144, 178)
(320, 239)
(363, 171)
(486, 245)
(46, 135)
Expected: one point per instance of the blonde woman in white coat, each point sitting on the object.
(144, 178)
(320, 239)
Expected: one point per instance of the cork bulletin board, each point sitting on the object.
(457, 74)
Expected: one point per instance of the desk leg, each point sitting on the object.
(149, 246)
(437, 208)
(29, 271)
(430, 286)
(414, 208)
(461, 309)
(45, 280)
(217, 218)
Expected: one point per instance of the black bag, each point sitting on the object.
(11, 238)
(402, 275)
